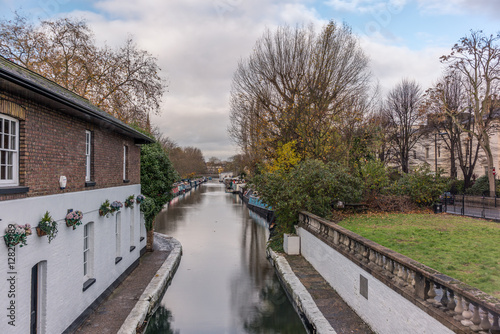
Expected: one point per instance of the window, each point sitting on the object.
(9, 161)
(427, 153)
(414, 154)
(125, 163)
(88, 255)
(439, 151)
(88, 248)
(88, 156)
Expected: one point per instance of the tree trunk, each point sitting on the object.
(485, 144)
(149, 240)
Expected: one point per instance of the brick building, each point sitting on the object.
(48, 134)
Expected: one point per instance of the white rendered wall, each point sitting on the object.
(65, 300)
(385, 311)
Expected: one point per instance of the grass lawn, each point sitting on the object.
(464, 248)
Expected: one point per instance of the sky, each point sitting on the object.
(198, 44)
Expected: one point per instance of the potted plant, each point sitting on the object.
(140, 198)
(16, 234)
(47, 226)
(116, 206)
(73, 218)
(129, 202)
(105, 209)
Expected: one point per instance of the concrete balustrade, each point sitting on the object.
(458, 306)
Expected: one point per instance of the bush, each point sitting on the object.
(456, 186)
(375, 176)
(157, 177)
(422, 186)
(482, 186)
(311, 186)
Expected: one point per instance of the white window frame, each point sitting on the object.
(11, 148)
(125, 158)
(88, 155)
(88, 251)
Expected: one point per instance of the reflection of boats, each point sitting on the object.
(186, 185)
(254, 203)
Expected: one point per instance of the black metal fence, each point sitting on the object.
(474, 206)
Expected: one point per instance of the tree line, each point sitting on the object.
(314, 88)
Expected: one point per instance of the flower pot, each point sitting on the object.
(40, 232)
(71, 224)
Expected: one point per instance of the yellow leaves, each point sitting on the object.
(286, 158)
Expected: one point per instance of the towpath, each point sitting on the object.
(112, 312)
(340, 316)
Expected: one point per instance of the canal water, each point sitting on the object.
(224, 283)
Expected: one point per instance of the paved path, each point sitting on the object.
(110, 315)
(340, 316)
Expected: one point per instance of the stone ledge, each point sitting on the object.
(153, 292)
(302, 300)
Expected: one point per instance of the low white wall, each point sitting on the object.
(65, 300)
(385, 311)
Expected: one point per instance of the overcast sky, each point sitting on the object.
(198, 44)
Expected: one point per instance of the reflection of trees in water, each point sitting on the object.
(170, 216)
(160, 322)
(253, 249)
(257, 296)
(273, 313)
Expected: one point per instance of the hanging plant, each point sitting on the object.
(105, 209)
(129, 202)
(74, 218)
(116, 206)
(140, 198)
(17, 234)
(47, 226)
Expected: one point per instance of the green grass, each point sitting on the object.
(464, 248)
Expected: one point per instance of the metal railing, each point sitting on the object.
(473, 206)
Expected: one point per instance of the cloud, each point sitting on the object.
(366, 6)
(460, 7)
(198, 44)
(391, 63)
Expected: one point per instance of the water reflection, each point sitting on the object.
(224, 283)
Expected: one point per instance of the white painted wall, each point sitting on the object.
(385, 311)
(65, 300)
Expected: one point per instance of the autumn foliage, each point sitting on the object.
(123, 81)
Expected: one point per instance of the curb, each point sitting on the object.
(153, 292)
(301, 298)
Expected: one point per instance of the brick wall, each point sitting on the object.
(52, 144)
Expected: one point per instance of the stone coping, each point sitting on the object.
(415, 281)
(155, 289)
(465, 290)
(301, 298)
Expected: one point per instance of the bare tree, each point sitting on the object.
(188, 161)
(449, 113)
(296, 86)
(404, 114)
(477, 58)
(124, 82)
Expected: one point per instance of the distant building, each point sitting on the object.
(432, 149)
(48, 134)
